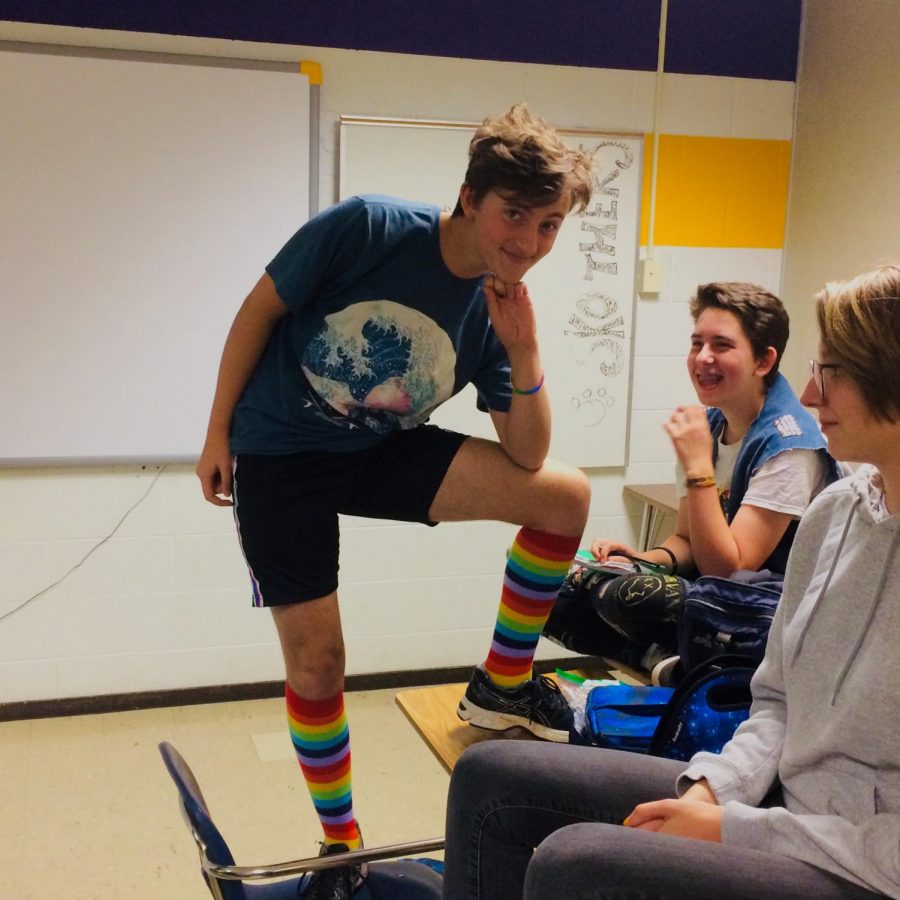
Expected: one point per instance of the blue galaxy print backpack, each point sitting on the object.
(702, 713)
(705, 709)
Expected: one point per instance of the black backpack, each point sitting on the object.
(727, 616)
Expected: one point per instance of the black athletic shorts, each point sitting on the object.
(286, 507)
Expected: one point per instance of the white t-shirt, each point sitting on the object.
(786, 483)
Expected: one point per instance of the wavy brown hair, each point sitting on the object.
(523, 159)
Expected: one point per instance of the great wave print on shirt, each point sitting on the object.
(380, 365)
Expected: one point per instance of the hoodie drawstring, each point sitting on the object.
(895, 539)
(873, 606)
(834, 563)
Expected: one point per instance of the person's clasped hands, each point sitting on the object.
(696, 814)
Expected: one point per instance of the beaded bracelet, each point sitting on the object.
(671, 556)
(534, 390)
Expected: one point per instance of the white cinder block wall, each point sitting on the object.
(164, 603)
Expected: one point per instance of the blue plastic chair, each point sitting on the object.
(402, 879)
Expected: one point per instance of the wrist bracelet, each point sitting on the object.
(702, 481)
(671, 556)
(534, 390)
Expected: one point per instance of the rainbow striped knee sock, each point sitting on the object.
(321, 741)
(535, 570)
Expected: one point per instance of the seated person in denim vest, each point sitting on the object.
(748, 465)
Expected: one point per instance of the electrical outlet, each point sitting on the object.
(651, 276)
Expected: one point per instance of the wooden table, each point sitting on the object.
(657, 499)
(432, 712)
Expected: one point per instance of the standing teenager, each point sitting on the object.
(373, 314)
(804, 801)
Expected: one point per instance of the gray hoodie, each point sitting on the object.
(825, 719)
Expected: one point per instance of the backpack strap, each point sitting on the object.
(729, 702)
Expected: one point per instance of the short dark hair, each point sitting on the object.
(762, 315)
(525, 160)
(859, 323)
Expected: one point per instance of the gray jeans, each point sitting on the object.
(509, 797)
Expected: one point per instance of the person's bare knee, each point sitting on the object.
(483, 483)
(577, 500)
(313, 646)
(562, 505)
(316, 670)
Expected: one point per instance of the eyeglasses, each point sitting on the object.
(818, 373)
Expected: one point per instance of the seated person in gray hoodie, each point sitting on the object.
(804, 801)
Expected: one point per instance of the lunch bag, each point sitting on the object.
(622, 716)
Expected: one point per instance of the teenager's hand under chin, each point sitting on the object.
(512, 314)
(500, 288)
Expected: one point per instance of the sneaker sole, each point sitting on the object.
(495, 721)
(661, 674)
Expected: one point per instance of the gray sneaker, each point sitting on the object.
(536, 705)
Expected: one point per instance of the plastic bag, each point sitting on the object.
(575, 689)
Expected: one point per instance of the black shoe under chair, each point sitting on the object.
(334, 884)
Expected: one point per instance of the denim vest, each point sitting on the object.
(782, 424)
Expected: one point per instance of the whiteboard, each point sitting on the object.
(141, 200)
(584, 289)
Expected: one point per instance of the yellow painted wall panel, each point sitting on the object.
(717, 192)
(758, 200)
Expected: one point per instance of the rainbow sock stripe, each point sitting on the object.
(537, 564)
(321, 741)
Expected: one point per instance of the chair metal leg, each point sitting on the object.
(314, 863)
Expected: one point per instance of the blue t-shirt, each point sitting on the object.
(379, 333)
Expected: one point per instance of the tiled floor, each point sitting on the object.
(89, 812)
